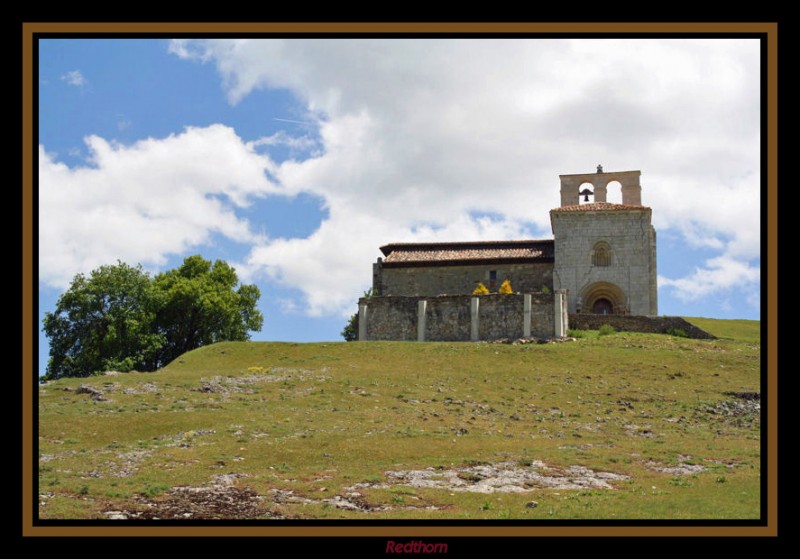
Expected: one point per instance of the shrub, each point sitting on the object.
(480, 290)
(505, 288)
(606, 329)
(154, 490)
(545, 289)
(678, 332)
(576, 334)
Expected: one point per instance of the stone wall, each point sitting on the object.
(450, 317)
(632, 262)
(432, 281)
(501, 316)
(648, 324)
(390, 318)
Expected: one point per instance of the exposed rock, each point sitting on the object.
(94, 393)
(506, 477)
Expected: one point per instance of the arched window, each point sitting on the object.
(614, 192)
(586, 193)
(601, 254)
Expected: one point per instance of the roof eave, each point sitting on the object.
(468, 262)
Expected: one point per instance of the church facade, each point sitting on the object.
(601, 260)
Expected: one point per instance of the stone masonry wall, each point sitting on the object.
(648, 324)
(632, 267)
(448, 317)
(391, 318)
(501, 316)
(460, 280)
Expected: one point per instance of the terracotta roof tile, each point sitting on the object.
(598, 206)
(470, 252)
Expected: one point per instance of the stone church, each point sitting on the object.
(601, 260)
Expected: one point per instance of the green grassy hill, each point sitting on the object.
(618, 426)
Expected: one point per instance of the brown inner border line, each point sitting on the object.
(769, 29)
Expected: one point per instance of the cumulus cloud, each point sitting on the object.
(420, 137)
(143, 202)
(720, 274)
(75, 78)
(281, 138)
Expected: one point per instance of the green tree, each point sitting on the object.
(102, 322)
(350, 332)
(199, 304)
(120, 318)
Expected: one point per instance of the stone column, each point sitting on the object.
(526, 315)
(474, 332)
(422, 306)
(600, 191)
(362, 322)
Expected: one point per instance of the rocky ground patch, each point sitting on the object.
(505, 477)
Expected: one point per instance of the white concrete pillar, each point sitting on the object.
(474, 332)
(422, 307)
(558, 300)
(362, 322)
(526, 316)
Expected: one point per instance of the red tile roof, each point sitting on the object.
(598, 206)
(423, 254)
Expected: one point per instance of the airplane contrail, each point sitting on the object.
(294, 121)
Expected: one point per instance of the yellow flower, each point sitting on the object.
(480, 290)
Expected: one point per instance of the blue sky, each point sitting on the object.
(296, 159)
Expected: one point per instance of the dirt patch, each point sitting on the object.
(182, 503)
(220, 499)
(505, 477)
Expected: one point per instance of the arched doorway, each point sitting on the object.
(602, 306)
(603, 297)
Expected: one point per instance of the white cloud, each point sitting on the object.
(281, 138)
(143, 202)
(422, 132)
(75, 78)
(418, 134)
(719, 274)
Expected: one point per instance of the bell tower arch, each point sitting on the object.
(605, 253)
(631, 187)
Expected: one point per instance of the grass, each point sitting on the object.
(327, 420)
(748, 331)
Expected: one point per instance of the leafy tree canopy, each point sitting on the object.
(350, 331)
(122, 319)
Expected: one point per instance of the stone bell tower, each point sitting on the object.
(605, 254)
